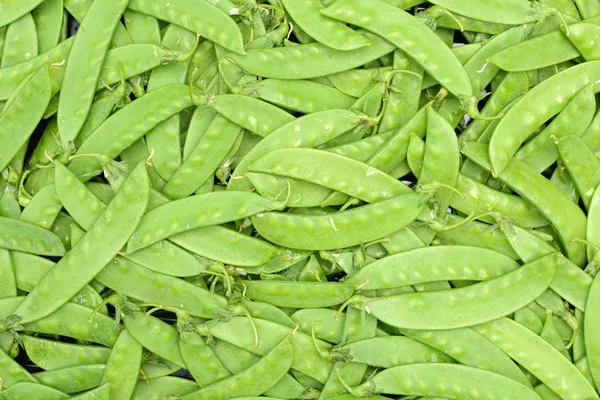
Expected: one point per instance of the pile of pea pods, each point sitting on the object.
(285, 199)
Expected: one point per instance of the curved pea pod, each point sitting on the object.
(97, 247)
(240, 332)
(226, 245)
(566, 217)
(470, 348)
(512, 12)
(584, 37)
(327, 326)
(388, 352)
(123, 366)
(324, 30)
(431, 264)
(442, 379)
(302, 193)
(202, 18)
(195, 212)
(408, 34)
(85, 63)
(307, 131)
(538, 357)
(22, 112)
(52, 355)
(43, 208)
(590, 334)
(299, 294)
(158, 388)
(310, 60)
(496, 297)
(28, 238)
(254, 380)
(148, 286)
(30, 390)
(13, 10)
(269, 312)
(129, 124)
(252, 114)
(200, 359)
(536, 107)
(72, 379)
(480, 199)
(340, 229)
(322, 168)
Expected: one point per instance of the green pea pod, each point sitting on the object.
(16, 125)
(72, 379)
(123, 366)
(129, 205)
(200, 17)
(299, 294)
(21, 40)
(30, 390)
(505, 294)
(12, 372)
(48, 19)
(12, 10)
(84, 66)
(29, 238)
(341, 229)
(102, 392)
(511, 12)
(253, 381)
(157, 389)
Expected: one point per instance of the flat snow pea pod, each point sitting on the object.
(237, 360)
(298, 95)
(11, 77)
(410, 35)
(204, 159)
(540, 152)
(536, 107)
(341, 229)
(141, 27)
(582, 164)
(129, 124)
(9, 206)
(580, 34)
(240, 332)
(551, 335)
(12, 372)
(442, 379)
(470, 348)
(13, 9)
(23, 236)
(123, 366)
(324, 30)
(30, 390)
(497, 297)
(480, 199)
(21, 41)
(73, 379)
(252, 114)
(388, 352)
(322, 168)
(528, 319)
(84, 66)
(17, 125)
(588, 8)
(307, 131)
(287, 257)
(441, 160)
(158, 388)
(100, 393)
(566, 217)
(195, 212)
(512, 12)
(199, 17)
(43, 208)
(310, 60)
(255, 380)
(72, 320)
(124, 276)
(538, 357)
(107, 236)
(299, 294)
(593, 228)
(226, 245)
(52, 355)
(355, 82)
(429, 264)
